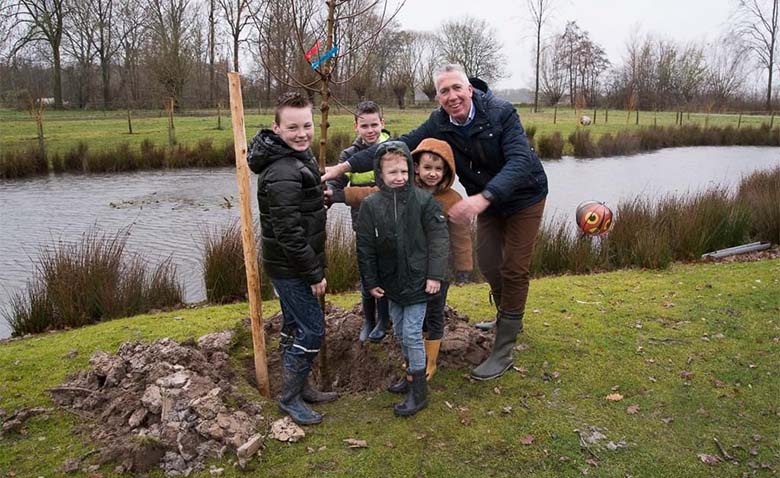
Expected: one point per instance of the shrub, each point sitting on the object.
(530, 132)
(551, 147)
(760, 195)
(151, 156)
(22, 164)
(90, 281)
(583, 144)
(74, 161)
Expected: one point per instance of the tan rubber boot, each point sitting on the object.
(431, 354)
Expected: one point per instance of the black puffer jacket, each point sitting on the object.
(494, 154)
(292, 212)
(402, 238)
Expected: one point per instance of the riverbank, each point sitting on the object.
(658, 363)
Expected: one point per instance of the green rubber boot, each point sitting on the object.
(500, 359)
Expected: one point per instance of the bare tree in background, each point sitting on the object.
(553, 71)
(474, 44)
(104, 41)
(237, 16)
(41, 21)
(403, 65)
(171, 25)
(726, 69)
(757, 20)
(541, 10)
(429, 60)
(80, 32)
(132, 30)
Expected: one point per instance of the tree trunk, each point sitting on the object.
(57, 76)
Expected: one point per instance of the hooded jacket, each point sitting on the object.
(401, 237)
(460, 234)
(493, 155)
(292, 211)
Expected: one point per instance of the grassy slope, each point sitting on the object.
(632, 331)
(64, 129)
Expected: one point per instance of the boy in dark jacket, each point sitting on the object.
(402, 253)
(351, 188)
(292, 224)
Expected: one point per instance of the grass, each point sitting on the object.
(694, 348)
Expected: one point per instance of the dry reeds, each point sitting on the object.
(550, 147)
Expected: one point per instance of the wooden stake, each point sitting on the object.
(129, 123)
(171, 128)
(739, 121)
(248, 234)
(219, 116)
(555, 115)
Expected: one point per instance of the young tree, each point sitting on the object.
(726, 69)
(474, 44)
(80, 32)
(757, 21)
(541, 10)
(171, 59)
(237, 16)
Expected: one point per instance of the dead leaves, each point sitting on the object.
(709, 459)
(632, 409)
(527, 440)
(614, 397)
(355, 443)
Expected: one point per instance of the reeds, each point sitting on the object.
(14, 165)
(760, 195)
(550, 147)
(89, 281)
(342, 273)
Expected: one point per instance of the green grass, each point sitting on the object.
(628, 332)
(107, 130)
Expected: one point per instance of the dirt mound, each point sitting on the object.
(164, 403)
(366, 367)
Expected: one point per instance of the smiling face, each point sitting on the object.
(430, 169)
(395, 170)
(369, 126)
(295, 127)
(453, 93)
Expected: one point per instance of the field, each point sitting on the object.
(63, 130)
(662, 364)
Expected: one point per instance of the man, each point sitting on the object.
(506, 187)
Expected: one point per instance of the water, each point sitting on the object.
(168, 211)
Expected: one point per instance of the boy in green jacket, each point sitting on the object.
(403, 248)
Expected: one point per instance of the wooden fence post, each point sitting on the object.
(219, 115)
(248, 234)
(129, 122)
(171, 128)
(555, 115)
(739, 121)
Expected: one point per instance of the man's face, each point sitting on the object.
(454, 95)
(296, 127)
(369, 127)
(395, 171)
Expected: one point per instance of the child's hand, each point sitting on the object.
(318, 289)
(333, 196)
(432, 286)
(377, 292)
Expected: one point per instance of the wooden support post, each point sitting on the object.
(772, 121)
(171, 128)
(555, 115)
(248, 234)
(129, 123)
(739, 121)
(637, 116)
(594, 115)
(36, 109)
(219, 115)
(606, 115)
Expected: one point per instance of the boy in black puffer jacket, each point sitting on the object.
(403, 247)
(292, 224)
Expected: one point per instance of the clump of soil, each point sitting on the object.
(353, 366)
(164, 403)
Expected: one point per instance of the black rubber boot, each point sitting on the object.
(369, 318)
(382, 322)
(294, 375)
(416, 397)
(312, 395)
(401, 386)
(500, 360)
(495, 299)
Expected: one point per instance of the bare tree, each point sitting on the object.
(553, 71)
(403, 66)
(474, 44)
(540, 10)
(171, 25)
(80, 31)
(726, 69)
(757, 20)
(429, 57)
(104, 41)
(237, 17)
(132, 32)
(42, 21)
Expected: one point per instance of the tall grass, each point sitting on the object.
(15, 165)
(342, 273)
(90, 281)
(760, 195)
(551, 147)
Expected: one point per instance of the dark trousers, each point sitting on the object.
(504, 249)
(374, 308)
(434, 313)
(302, 319)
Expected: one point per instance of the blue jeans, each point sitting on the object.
(407, 327)
(302, 318)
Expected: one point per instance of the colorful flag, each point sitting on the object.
(312, 51)
(325, 56)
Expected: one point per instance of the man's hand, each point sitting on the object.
(318, 289)
(432, 286)
(465, 210)
(377, 292)
(332, 172)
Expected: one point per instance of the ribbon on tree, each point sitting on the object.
(325, 56)
(312, 50)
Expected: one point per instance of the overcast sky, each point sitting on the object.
(609, 22)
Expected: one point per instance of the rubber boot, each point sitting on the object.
(431, 354)
(500, 359)
(416, 397)
(294, 375)
(369, 316)
(402, 385)
(495, 299)
(382, 322)
(310, 394)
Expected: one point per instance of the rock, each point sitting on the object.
(286, 430)
(209, 405)
(152, 399)
(216, 342)
(109, 368)
(176, 380)
(137, 417)
(251, 446)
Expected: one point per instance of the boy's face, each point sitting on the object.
(296, 127)
(369, 126)
(430, 169)
(395, 171)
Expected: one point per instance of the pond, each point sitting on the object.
(167, 212)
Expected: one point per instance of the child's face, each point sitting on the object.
(296, 127)
(369, 127)
(395, 171)
(430, 168)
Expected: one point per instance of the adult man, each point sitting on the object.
(507, 188)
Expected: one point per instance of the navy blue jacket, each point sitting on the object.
(494, 155)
